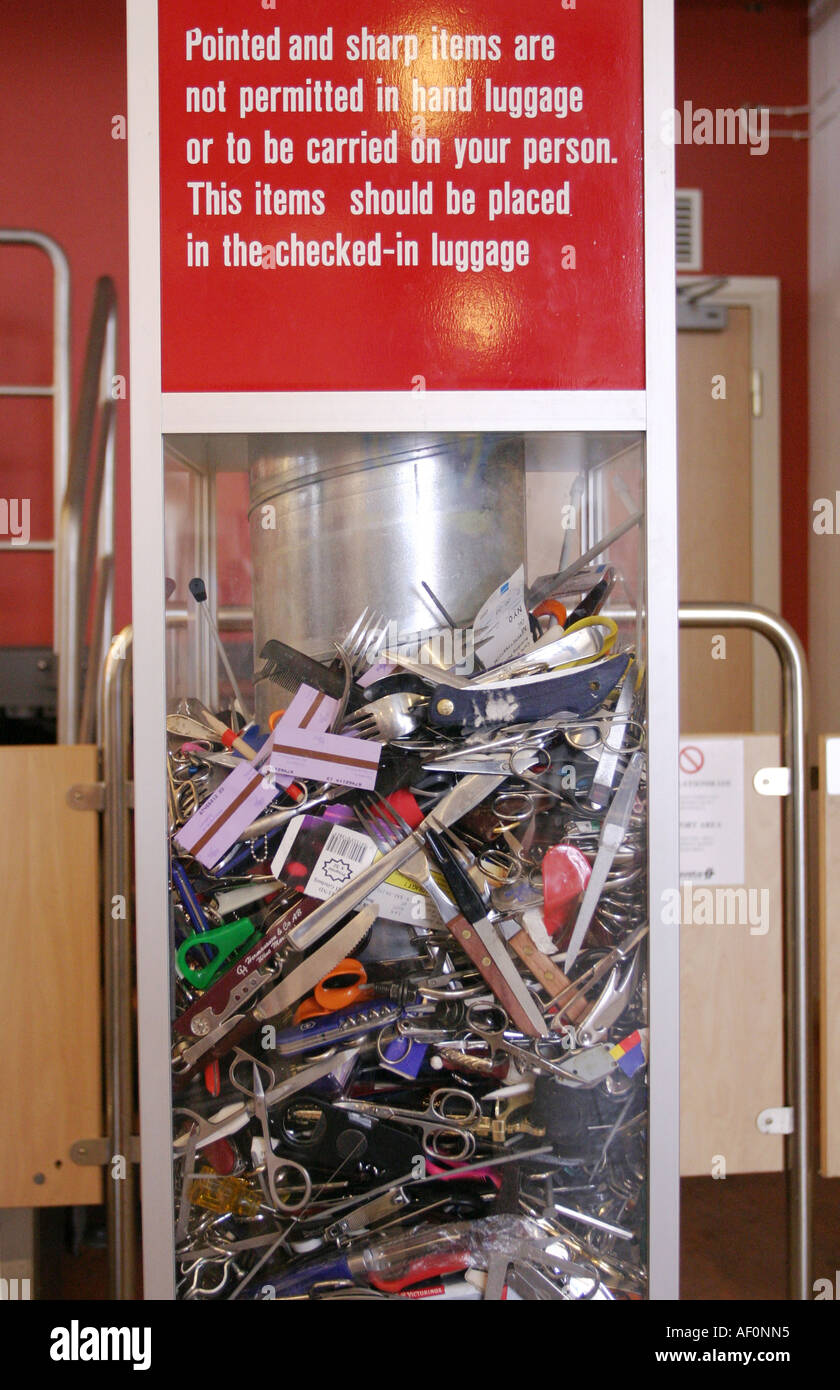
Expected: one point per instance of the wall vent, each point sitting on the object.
(689, 228)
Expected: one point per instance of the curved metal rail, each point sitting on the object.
(115, 722)
(799, 1146)
(82, 542)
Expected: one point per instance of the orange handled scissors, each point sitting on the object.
(345, 984)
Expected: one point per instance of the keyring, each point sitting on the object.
(390, 1035)
(499, 867)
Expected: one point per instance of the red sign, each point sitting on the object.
(391, 197)
(691, 758)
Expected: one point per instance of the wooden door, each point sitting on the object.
(50, 1062)
(715, 501)
(730, 979)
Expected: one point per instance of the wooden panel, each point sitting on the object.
(50, 1069)
(829, 981)
(715, 520)
(731, 1006)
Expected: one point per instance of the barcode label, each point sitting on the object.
(346, 846)
(345, 854)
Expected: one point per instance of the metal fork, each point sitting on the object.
(365, 639)
(383, 824)
(391, 717)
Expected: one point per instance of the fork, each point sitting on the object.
(391, 717)
(383, 825)
(365, 639)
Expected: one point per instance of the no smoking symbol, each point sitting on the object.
(691, 758)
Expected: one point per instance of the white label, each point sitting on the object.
(712, 811)
(832, 766)
(344, 855)
(501, 629)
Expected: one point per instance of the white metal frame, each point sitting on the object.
(153, 415)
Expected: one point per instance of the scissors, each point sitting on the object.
(207, 1275)
(490, 1022)
(231, 1118)
(515, 811)
(446, 1122)
(276, 1171)
(527, 760)
(345, 984)
(186, 782)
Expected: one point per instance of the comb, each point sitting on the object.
(287, 667)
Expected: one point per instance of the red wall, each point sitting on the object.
(62, 79)
(755, 209)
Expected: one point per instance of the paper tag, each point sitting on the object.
(326, 857)
(532, 921)
(321, 757)
(501, 629)
(318, 857)
(217, 824)
(309, 709)
(399, 904)
(344, 855)
(375, 673)
(251, 787)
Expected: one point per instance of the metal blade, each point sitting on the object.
(612, 834)
(469, 792)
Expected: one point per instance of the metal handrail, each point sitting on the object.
(799, 1146)
(58, 389)
(79, 545)
(115, 722)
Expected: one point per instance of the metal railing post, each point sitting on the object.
(799, 1146)
(77, 549)
(117, 946)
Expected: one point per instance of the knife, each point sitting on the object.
(578, 691)
(517, 999)
(463, 797)
(543, 968)
(613, 831)
(294, 986)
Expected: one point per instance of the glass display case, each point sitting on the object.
(425, 653)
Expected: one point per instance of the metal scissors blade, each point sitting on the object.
(613, 831)
(446, 1134)
(231, 1118)
(276, 1166)
(490, 1022)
